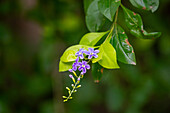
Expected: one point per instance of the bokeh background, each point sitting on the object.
(35, 33)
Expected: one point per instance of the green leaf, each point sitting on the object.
(69, 54)
(97, 72)
(109, 7)
(109, 59)
(124, 50)
(91, 39)
(151, 35)
(94, 19)
(63, 66)
(135, 24)
(86, 4)
(149, 5)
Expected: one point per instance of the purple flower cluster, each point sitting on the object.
(83, 65)
(80, 64)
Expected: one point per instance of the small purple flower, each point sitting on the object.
(91, 52)
(83, 66)
(71, 76)
(80, 53)
(78, 79)
(70, 70)
(75, 64)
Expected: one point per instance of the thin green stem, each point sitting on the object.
(89, 61)
(113, 25)
(75, 85)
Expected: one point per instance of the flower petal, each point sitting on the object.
(91, 49)
(90, 56)
(84, 70)
(84, 62)
(96, 51)
(87, 66)
(81, 50)
(77, 53)
(95, 55)
(81, 56)
(77, 59)
(80, 68)
(86, 52)
(74, 68)
(70, 70)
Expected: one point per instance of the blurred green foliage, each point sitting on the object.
(35, 33)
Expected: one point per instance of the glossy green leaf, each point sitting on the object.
(150, 5)
(135, 24)
(109, 7)
(69, 54)
(86, 4)
(151, 35)
(133, 21)
(65, 66)
(97, 72)
(124, 50)
(91, 39)
(109, 59)
(94, 19)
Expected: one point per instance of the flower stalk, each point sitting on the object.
(80, 64)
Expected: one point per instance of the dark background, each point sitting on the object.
(35, 33)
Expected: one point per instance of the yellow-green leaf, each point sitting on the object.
(91, 39)
(109, 59)
(65, 66)
(69, 54)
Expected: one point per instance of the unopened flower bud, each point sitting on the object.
(82, 73)
(78, 86)
(71, 76)
(70, 70)
(78, 79)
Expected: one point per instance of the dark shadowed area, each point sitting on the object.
(34, 35)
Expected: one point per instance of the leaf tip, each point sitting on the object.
(133, 63)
